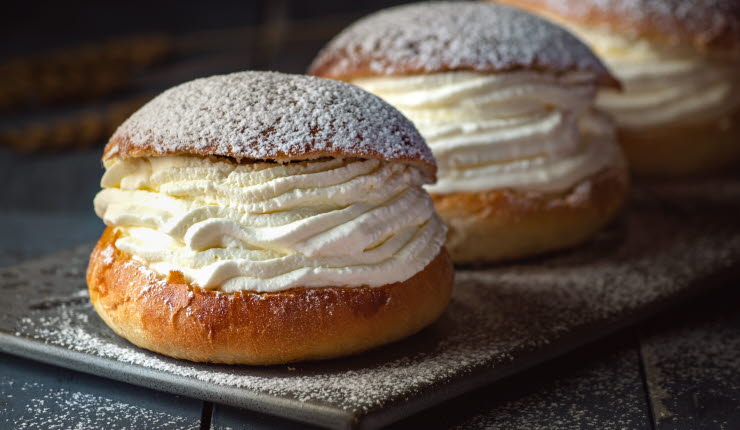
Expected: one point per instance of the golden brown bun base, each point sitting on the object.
(505, 224)
(683, 151)
(176, 319)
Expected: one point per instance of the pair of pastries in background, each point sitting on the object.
(505, 101)
(262, 218)
(679, 61)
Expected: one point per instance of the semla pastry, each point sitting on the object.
(679, 61)
(505, 101)
(263, 218)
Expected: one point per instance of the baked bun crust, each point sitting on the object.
(260, 116)
(683, 150)
(517, 224)
(705, 24)
(270, 116)
(173, 318)
(440, 37)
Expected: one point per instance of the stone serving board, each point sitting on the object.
(672, 242)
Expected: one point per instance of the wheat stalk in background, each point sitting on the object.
(84, 73)
(80, 131)
(73, 98)
(67, 78)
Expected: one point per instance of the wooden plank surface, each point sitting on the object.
(39, 396)
(231, 418)
(691, 361)
(598, 386)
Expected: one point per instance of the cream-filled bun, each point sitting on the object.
(679, 61)
(505, 101)
(263, 218)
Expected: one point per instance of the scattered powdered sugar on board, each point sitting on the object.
(268, 115)
(573, 402)
(670, 239)
(436, 37)
(694, 365)
(62, 409)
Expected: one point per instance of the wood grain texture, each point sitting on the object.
(231, 418)
(691, 361)
(598, 386)
(39, 396)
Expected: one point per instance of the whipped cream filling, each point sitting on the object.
(523, 129)
(662, 85)
(268, 227)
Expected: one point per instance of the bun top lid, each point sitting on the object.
(447, 36)
(270, 116)
(704, 24)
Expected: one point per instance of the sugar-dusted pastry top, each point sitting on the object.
(449, 36)
(269, 116)
(268, 227)
(703, 24)
(523, 130)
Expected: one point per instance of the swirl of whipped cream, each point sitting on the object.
(662, 85)
(269, 227)
(522, 129)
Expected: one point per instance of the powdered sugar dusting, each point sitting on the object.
(107, 255)
(152, 278)
(434, 37)
(700, 354)
(266, 116)
(671, 237)
(568, 403)
(704, 22)
(61, 408)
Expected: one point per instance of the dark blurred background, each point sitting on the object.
(72, 71)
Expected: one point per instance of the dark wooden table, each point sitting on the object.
(679, 370)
